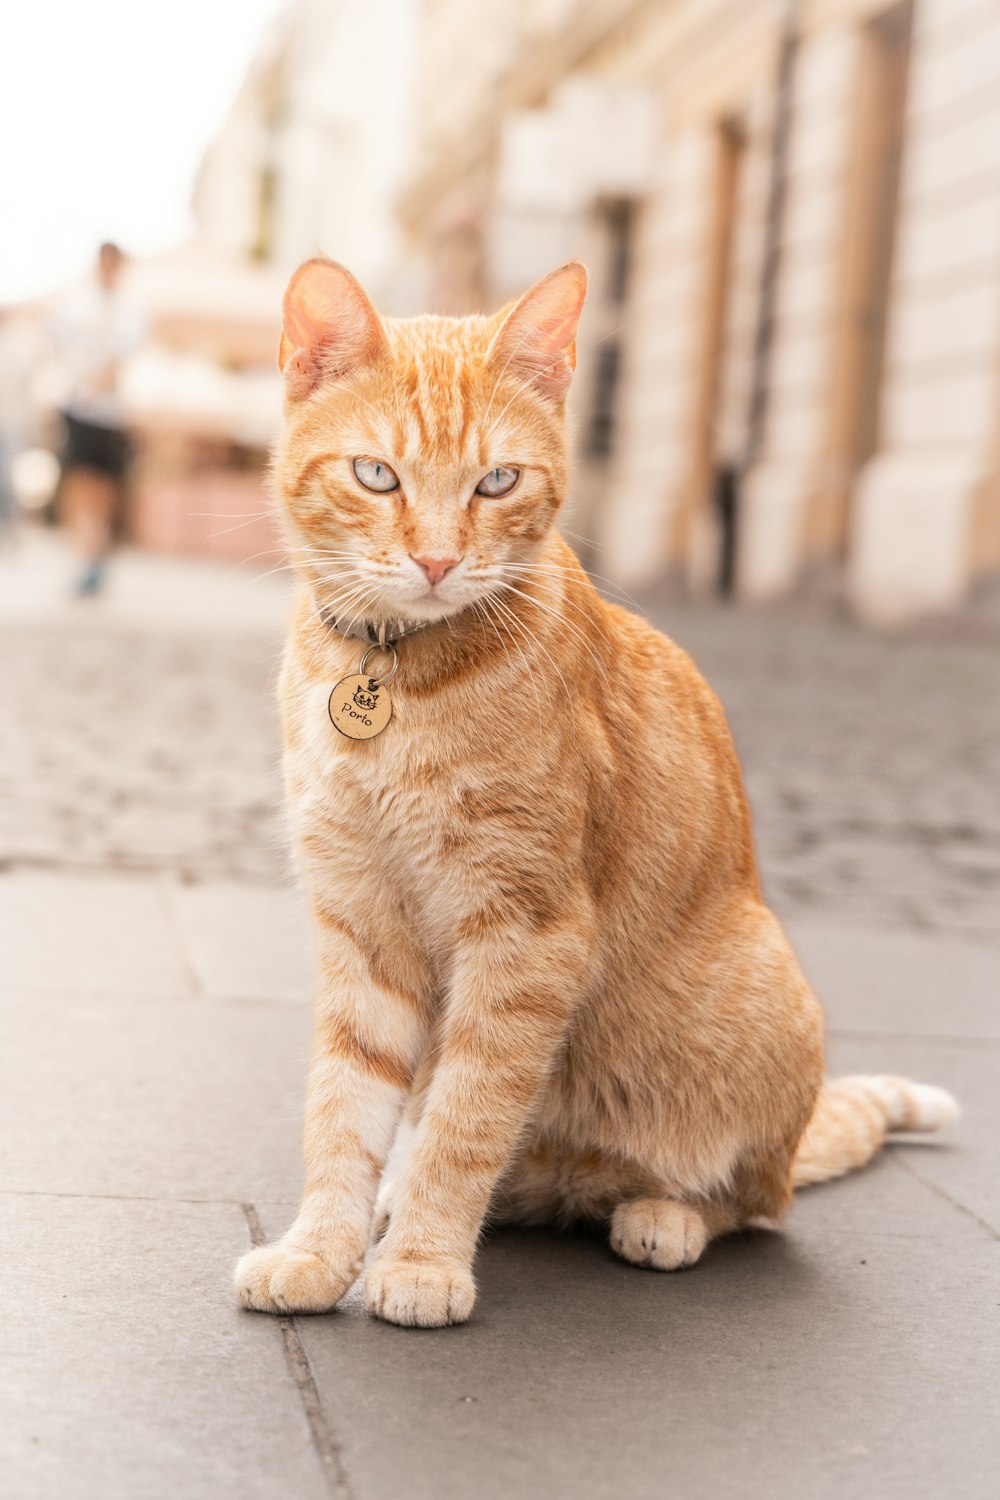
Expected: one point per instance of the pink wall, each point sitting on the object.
(213, 513)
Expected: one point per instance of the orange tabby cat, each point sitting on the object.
(539, 923)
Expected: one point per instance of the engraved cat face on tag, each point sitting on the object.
(359, 707)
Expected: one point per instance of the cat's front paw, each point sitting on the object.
(281, 1279)
(420, 1293)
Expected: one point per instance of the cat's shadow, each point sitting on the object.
(533, 1281)
(580, 1262)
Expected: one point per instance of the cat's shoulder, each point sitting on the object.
(637, 635)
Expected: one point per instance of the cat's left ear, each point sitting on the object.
(329, 327)
(537, 338)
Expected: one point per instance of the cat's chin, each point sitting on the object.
(431, 610)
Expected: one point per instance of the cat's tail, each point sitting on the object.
(853, 1116)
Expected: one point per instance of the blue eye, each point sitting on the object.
(375, 475)
(498, 482)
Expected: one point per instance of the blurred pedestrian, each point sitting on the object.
(19, 357)
(95, 328)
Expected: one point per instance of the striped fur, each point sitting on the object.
(540, 933)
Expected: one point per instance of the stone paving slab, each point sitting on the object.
(133, 748)
(846, 1359)
(919, 983)
(102, 933)
(152, 1097)
(126, 1373)
(142, 590)
(243, 939)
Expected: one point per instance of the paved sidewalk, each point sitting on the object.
(153, 997)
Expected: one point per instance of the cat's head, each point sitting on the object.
(422, 460)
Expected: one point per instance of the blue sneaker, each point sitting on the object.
(92, 580)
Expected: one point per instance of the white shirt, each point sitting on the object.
(94, 327)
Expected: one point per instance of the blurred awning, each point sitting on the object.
(196, 301)
(209, 368)
(189, 394)
(595, 138)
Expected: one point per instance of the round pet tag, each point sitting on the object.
(359, 707)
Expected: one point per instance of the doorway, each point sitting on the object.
(870, 233)
(711, 513)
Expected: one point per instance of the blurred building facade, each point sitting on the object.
(310, 157)
(790, 365)
(789, 371)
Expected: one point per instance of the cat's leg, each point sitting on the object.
(739, 1085)
(392, 1178)
(369, 1034)
(552, 1182)
(548, 1184)
(530, 1190)
(402, 1146)
(667, 1233)
(513, 994)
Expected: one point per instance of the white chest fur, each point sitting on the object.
(381, 814)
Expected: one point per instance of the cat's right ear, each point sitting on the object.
(329, 328)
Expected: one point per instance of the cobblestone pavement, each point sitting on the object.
(133, 750)
(872, 763)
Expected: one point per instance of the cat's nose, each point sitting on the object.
(436, 567)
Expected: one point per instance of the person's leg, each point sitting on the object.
(8, 499)
(89, 498)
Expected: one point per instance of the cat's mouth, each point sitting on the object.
(434, 603)
(431, 600)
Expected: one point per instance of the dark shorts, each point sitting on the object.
(88, 445)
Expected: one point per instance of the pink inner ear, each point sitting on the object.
(538, 337)
(329, 325)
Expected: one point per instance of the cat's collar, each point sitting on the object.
(386, 633)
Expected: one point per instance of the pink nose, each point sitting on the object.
(436, 567)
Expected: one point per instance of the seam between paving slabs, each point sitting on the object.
(943, 1194)
(141, 1197)
(327, 1448)
(932, 1038)
(168, 896)
(53, 995)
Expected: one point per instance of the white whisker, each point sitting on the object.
(511, 620)
(565, 624)
(550, 660)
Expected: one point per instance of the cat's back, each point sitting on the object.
(675, 780)
(659, 701)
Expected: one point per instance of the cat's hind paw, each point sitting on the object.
(419, 1294)
(659, 1233)
(384, 1205)
(280, 1279)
